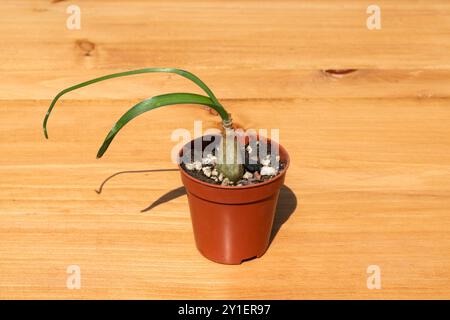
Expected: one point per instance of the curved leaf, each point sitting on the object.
(186, 74)
(150, 104)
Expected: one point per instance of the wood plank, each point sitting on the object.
(233, 46)
(223, 35)
(232, 85)
(369, 182)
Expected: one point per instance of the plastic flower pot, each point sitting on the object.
(233, 224)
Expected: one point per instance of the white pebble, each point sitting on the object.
(225, 182)
(268, 171)
(214, 172)
(197, 165)
(249, 149)
(221, 177)
(265, 162)
(247, 175)
(189, 166)
(210, 159)
(207, 171)
(206, 161)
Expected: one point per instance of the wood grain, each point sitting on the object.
(369, 182)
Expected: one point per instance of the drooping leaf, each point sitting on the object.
(150, 104)
(186, 74)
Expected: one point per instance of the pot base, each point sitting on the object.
(232, 262)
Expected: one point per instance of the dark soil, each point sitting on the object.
(248, 167)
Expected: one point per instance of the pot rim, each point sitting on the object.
(257, 185)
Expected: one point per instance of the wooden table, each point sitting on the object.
(369, 182)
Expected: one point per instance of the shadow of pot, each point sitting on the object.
(232, 224)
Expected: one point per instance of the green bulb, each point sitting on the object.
(230, 162)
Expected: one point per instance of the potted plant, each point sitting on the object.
(232, 179)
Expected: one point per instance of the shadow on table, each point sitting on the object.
(287, 201)
(173, 194)
(100, 189)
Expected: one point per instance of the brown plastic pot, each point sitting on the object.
(233, 224)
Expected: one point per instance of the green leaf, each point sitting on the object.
(186, 74)
(153, 103)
